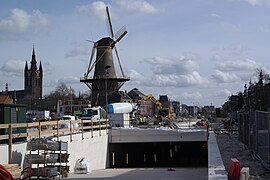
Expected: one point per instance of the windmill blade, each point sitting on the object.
(97, 60)
(118, 59)
(109, 23)
(91, 58)
(120, 33)
(90, 41)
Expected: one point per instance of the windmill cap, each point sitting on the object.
(107, 41)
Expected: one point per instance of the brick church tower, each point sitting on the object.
(33, 78)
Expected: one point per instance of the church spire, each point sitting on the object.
(40, 66)
(33, 54)
(33, 61)
(26, 66)
(40, 69)
(33, 78)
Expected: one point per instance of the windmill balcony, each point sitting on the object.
(104, 77)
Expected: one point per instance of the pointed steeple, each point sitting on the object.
(33, 61)
(33, 54)
(40, 69)
(40, 66)
(26, 66)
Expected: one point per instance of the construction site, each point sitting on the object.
(135, 136)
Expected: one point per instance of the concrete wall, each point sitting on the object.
(18, 153)
(94, 150)
(216, 169)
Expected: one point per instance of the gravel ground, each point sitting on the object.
(230, 147)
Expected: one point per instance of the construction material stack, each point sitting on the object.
(48, 158)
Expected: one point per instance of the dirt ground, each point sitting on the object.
(230, 147)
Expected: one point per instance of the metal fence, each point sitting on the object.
(254, 131)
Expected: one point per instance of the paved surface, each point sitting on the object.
(145, 173)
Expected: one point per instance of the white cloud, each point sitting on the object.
(236, 49)
(194, 78)
(222, 93)
(258, 2)
(96, 9)
(21, 21)
(80, 50)
(165, 80)
(136, 78)
(191, 96)
(238, 65)
(215, 15)
(219, 94)
(136, 6)
(13, 68)
(69, 80)
(66, 80)
(178, 66)
(176, 72)
(225, 77)
(51, 83)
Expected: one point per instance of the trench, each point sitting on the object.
(158, 154)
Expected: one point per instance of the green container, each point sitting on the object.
(12, 113)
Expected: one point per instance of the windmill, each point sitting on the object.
(104, 83)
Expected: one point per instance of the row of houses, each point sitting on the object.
(73, 105)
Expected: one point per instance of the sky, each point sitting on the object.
(197, 52)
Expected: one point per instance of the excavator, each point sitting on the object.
(163, 113)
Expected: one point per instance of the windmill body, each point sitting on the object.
(105, 84)
(104, 59)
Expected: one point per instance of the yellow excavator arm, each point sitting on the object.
(153, 99)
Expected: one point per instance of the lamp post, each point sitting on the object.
(106, 93)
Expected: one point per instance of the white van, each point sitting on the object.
(67, 125)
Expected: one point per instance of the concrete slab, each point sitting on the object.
(216, 169)
(145, 173)
(126, 135)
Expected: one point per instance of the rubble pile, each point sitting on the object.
(230, 147)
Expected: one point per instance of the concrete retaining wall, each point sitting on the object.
(93, 149)
(18, 153)
(216, 169)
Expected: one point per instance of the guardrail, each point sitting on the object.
(51, 129)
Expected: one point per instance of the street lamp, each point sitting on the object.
(106, 94)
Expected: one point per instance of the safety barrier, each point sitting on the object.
(50, 129)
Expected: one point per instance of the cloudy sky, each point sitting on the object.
(197, 52)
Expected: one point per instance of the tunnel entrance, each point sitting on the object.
(158, 154)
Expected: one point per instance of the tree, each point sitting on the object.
(263, 77)
(61, 92)
(240, 101)
(85, 95)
